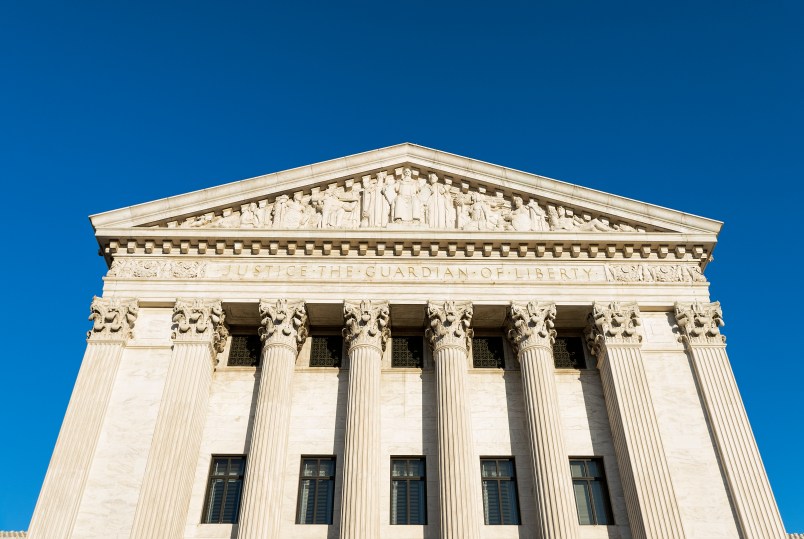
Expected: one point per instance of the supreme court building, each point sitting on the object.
(404, 344)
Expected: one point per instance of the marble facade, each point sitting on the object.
(405, 241)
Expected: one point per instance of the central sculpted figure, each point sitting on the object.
(404, 198)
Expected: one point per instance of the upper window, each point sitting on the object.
(245, 351)
(408, 491)
(591, 493)
(407, 352)
(316, 490)
(488, 353)
(500, 502)
(325, 351)
(223, 490)
(568, 353)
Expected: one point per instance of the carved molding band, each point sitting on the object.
(654, 273)
(112, 318)
(283, 322)
(449, 324)
(531, 324)
(157, 269)
(200, 320)
(366, 323)
(613, 323)
(700, 323)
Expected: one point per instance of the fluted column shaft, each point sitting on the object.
(57, 507)
(366, 333)
(749, 489)
(458, 469)
(165, 494)
(284, 329)
(649, 495)
(530, 330)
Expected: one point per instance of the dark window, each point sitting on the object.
(316, 490)
(500, 502)
(408, 491)
(223, 490)
(591, 493)
(488, 353)
(325, 351)
(407, 352)
(568, 353)
(245, 351)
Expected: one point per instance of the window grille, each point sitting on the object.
(591, 492)
(325, 351)
(408, 491)
(568, 353)
(245, 351)
(407, 352)
(488, 353)
(316, 490)
(500, 501)
(223, 490)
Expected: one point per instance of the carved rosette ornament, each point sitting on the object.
(112, 318)
(200, 320)
(613, 323)
(700, 323)
(449, 324)
(283, 322)
(366, 324)
(531, 324)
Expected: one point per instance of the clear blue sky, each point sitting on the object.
(697, 106)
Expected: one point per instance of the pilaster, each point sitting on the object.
(198, 335)
(56, 510)
(613, 337)
(283, 330)
(366, 333)
(530, 331)
(749, 489)
(449, 336)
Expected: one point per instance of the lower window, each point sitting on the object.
(316, 490)
(223, 490)
(408, 491)
(591, 493)
(500, 502)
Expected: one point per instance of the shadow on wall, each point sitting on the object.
(520, 449)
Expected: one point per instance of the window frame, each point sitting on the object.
(243, 331)
(405, 335)
(423, 479)
(210, 476)
(490, 335)
(498, 480)
(588, 479)
(323, 334)
(573, 334)
(317, 479)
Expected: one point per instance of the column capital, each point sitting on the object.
(366, 324)
(700, 323)
(531, 324)
(283, 322)
(614, 323)
(112, 319)
(449, 324)
(200, 320)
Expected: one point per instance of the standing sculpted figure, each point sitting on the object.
(375, 209)
(249, 216)
(438, 206)
(404, 196)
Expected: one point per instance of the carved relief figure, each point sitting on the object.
(375, 209)
(404, 197)
(337, 208)
(291, 212)
(249, 216)
(530, 217)
(439, 209)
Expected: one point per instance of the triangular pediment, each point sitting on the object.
(406, 187)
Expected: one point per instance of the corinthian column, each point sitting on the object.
(613, 337)
(751, 495)
(198, 335)
(531, 333)
(366, 333)
(458, 470)
(54, 516)
(283, 331)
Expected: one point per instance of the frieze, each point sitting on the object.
(156, 269)
(404, 198)
(654, 273)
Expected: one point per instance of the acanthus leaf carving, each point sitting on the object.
(283, 322)
(700, 323)
(531, 324)
(200, 320)
(367, 323)
(450, 323)
(112, 318)
(612, 324)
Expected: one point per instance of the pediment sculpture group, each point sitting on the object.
(404, 200)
